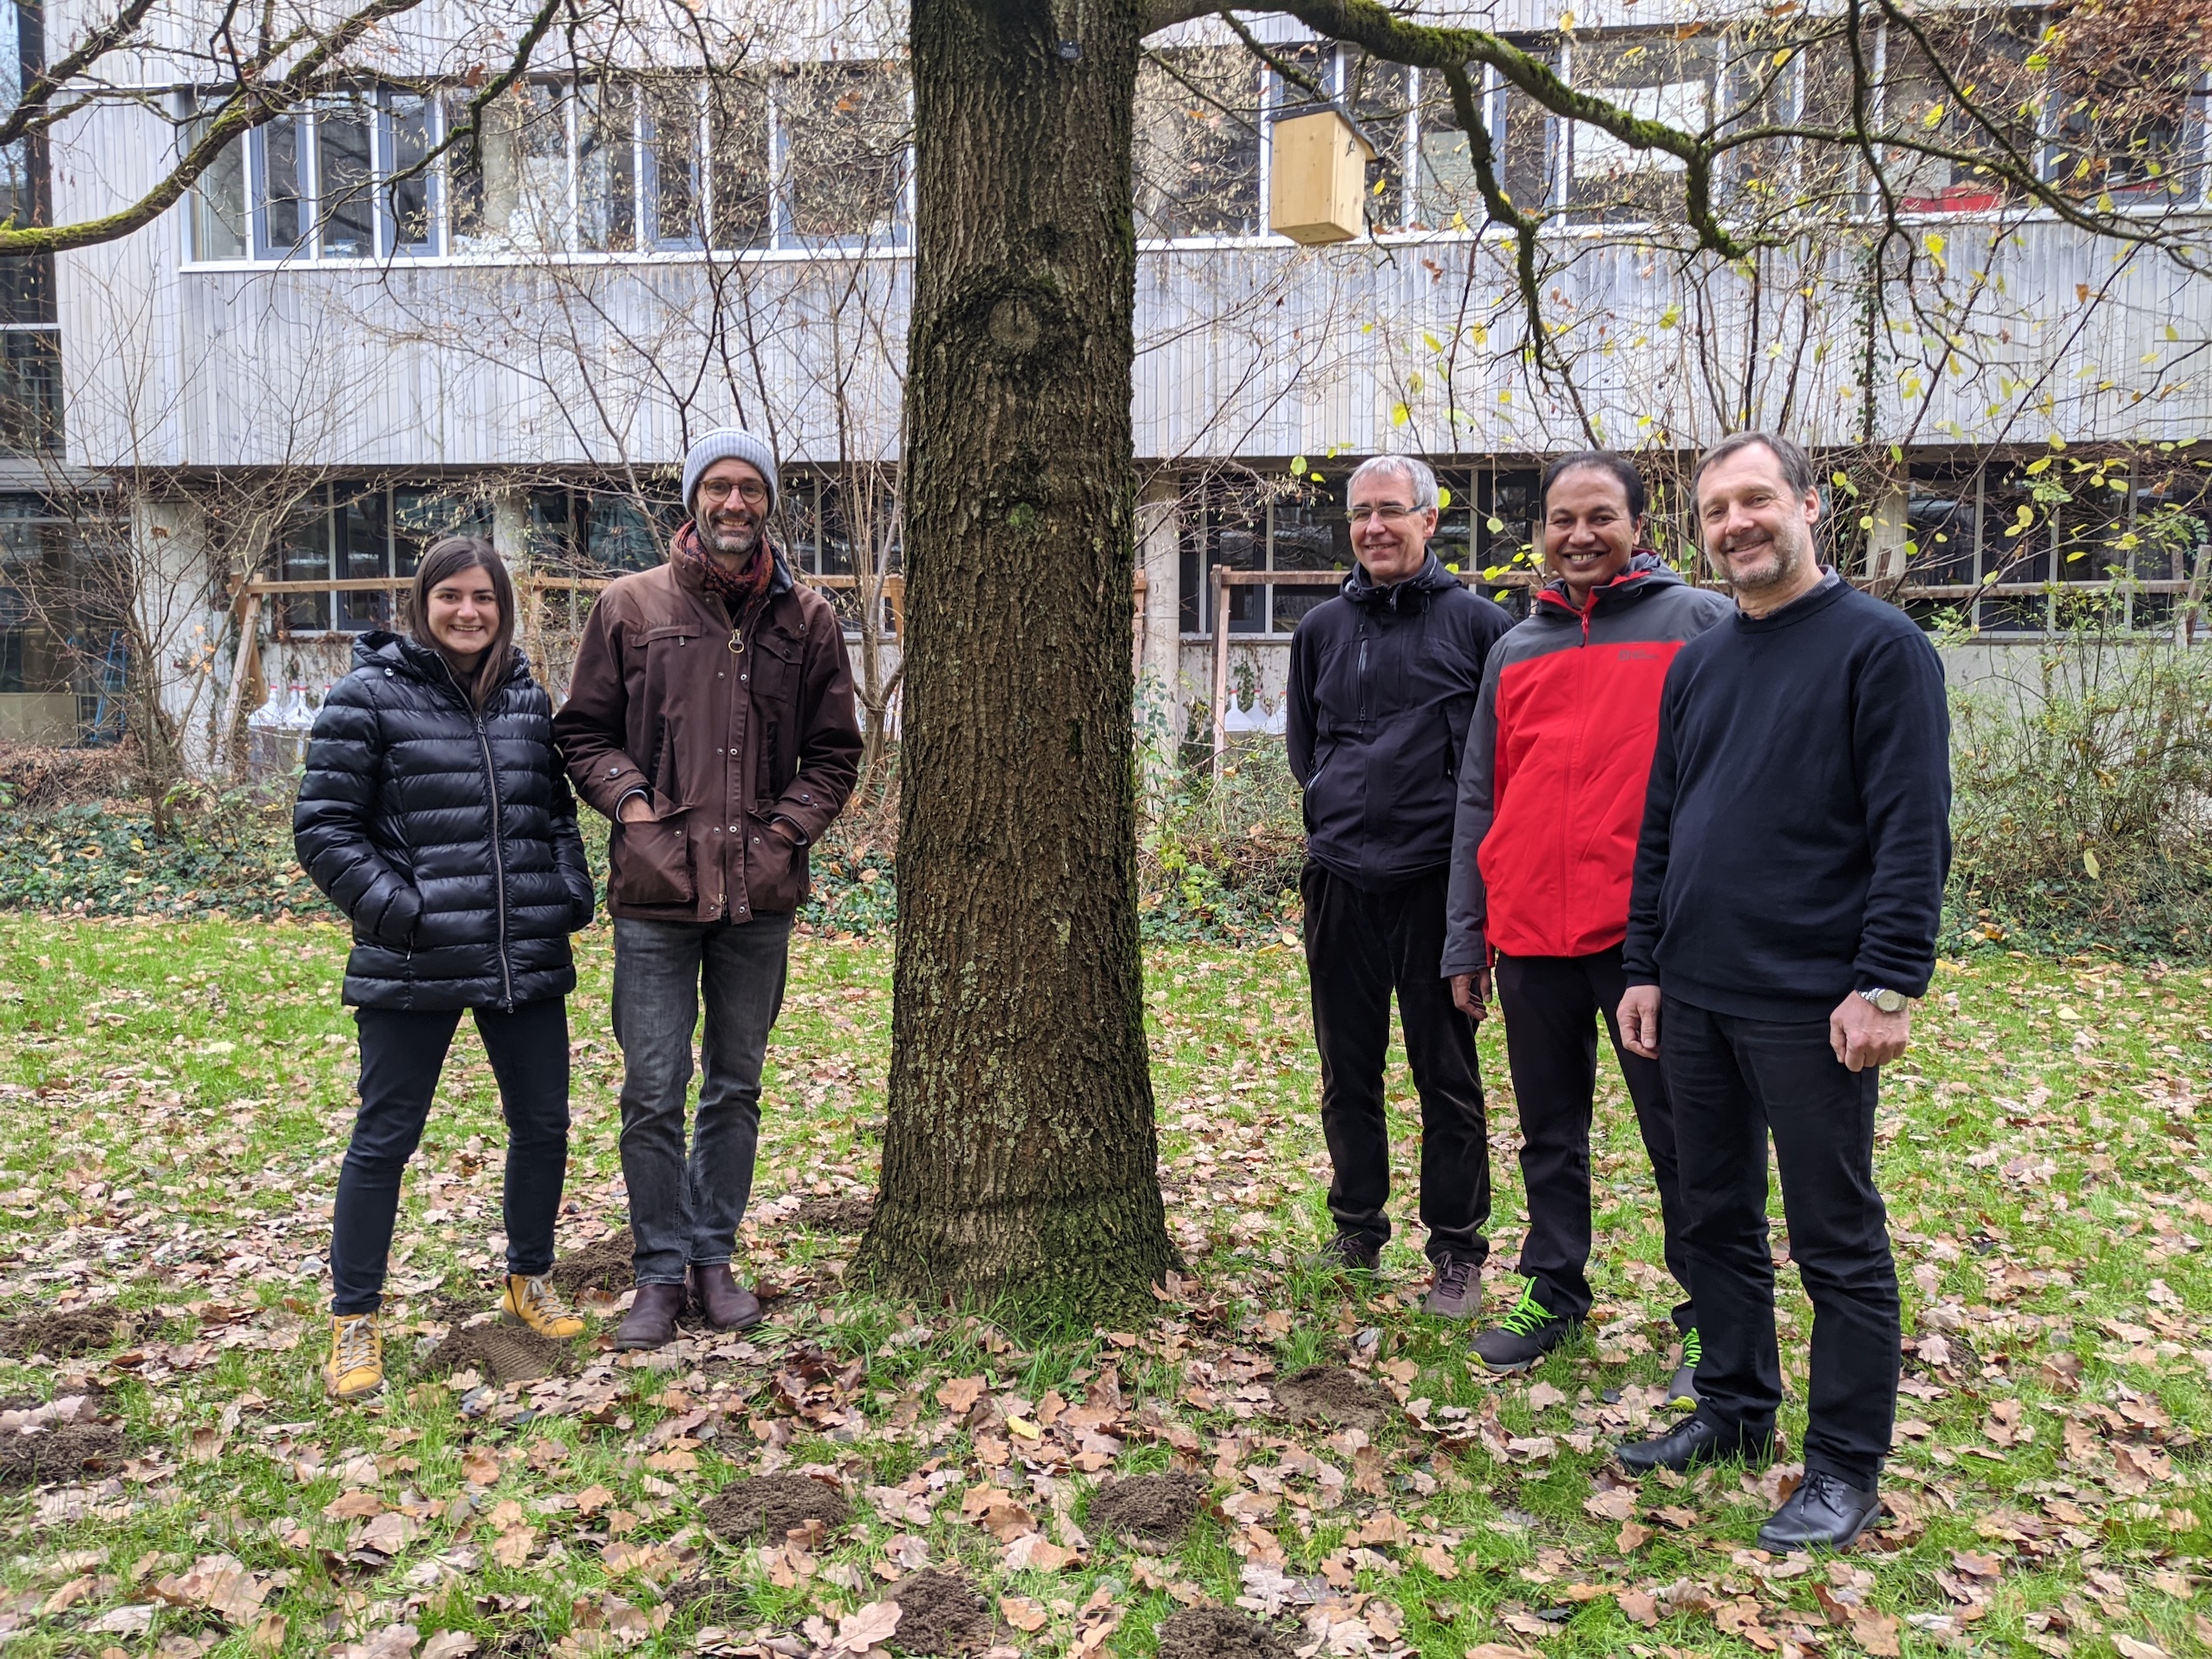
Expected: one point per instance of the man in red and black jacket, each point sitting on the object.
(1542, 854)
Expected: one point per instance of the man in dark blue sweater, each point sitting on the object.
(1789, 878)
(1383, 678)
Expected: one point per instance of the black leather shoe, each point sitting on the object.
(651, 1321)
(1697, 1443)
(1824, 1513)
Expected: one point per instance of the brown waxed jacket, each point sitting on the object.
(723, 729)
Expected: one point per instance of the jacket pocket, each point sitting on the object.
(651, 862)
(775, 870)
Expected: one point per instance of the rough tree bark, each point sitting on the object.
(1019, 1157)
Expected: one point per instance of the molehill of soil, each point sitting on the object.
(1217, 1633)
(939, 1613)
(715, 1600)
(601, 1266)
(1330, 1393)
(75, 1330)
(836, 1215)
(59, 1453)
(500, 1353)
(772, 1505)
(1154, 1509)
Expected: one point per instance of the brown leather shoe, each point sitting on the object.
(651, 1321)
(727, 1305)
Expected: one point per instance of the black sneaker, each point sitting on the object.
(1346, 1253)
(1523, 1336)
(1683, 1390)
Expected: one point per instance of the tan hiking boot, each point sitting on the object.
(531, 1303)
(356, 1363)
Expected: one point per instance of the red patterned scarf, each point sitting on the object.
(736, 591)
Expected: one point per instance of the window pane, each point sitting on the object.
(218, 222)
(347, 202)
(1655, 75)
(409, 224)
(606, 161)
(279, 187)
(1986, 54)
(1311, 533)
(1940, 528)
(364, 550)
(844, 135)
(737, 116)
(1380, 96)
(511, 194)
(549, 533)
(2015, 547)
(672, 177)
(1521, 141)
(795, 529)
(31, 390)
(303, 555)
(1197, 144)
(622, 534)
(422, 517)
(2094, 538)
(2129, 114)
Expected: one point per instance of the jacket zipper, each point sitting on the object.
(498, 855)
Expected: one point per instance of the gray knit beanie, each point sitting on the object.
(730, 443)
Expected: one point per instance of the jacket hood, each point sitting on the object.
(1647, 573)
(382, 648)
(1362, 589)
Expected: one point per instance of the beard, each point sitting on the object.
(1787, 554)
(730, 540)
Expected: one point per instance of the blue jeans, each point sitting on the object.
(685, 1212)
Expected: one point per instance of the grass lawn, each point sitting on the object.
(174, 1102)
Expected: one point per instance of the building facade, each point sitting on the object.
(352, 337)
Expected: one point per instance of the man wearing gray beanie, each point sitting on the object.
(710, 716)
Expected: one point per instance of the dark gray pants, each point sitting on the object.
(685, 1212)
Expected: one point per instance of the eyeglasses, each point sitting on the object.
(751, 490)
(1384, 514)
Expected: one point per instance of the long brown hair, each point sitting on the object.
(448, 559)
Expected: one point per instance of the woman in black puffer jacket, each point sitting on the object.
(435, 813)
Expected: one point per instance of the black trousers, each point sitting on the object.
(1734, 1082)
(1552, 1007)
(402, 1051)
(1361, 946)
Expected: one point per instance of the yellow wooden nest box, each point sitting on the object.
(1318, 189)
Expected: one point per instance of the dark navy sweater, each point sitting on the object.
(1797, 830)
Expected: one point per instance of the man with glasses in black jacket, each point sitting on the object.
(1383, 678)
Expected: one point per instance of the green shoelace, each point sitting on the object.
(1692, 1349)
(1528, 1316)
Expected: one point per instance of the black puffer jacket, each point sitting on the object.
(405, 781)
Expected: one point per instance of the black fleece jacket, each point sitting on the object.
(1797, 828)
(1382, 682)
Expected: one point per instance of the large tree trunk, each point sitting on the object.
(1020, 1155)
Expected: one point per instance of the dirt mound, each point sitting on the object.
(715, 1601)
(1217, 1633)
(601, 1266)
(836, 1215)
(1330, 1393)
(1154, 1509)
(59, 1453)
(500, 1353)
(74, 1331)
(939, 1613)
(773, 1505)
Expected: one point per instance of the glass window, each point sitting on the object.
(2129, 121)
(1521, 141)
(674, 203)
(409, 218)
(741, 171)
(1380, 97)
(1657, 75)
(345, 179)
(606, 167)
(550, 532)
(795, 528)
(621, 533)
(303, 555)
(219, 216)
(1310, 533)
(1197, 143)
(1988, 54)
(31, 390)
(423, 516)
(281, 160)
(2016, 537)
(364, 552)
(844, 129)
(510, 190)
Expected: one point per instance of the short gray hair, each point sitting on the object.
(1418, 473)
(1796, 466)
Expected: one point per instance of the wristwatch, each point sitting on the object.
(1888, 1001)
